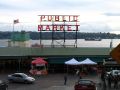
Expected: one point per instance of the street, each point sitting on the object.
(52, 82)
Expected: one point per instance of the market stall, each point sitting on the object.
(88, 66)
(39, 67)
(87, 61)
(72, 62)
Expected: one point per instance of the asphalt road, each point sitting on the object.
(52, 82)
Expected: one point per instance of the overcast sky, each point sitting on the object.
(95, 15)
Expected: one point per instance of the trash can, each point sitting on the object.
(3, 85)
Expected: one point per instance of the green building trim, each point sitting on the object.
(54, 55)
(36, 51)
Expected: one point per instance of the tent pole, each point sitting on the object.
(19, 62)
(67, 69)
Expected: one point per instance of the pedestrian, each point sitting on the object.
(77, 72)
(109, 79)
(116, 81)
(103, 79)
(104, 86)
(103, 76)
(80, 77)
(65, 79)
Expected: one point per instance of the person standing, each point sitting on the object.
(116, 81)
(80, 77)
(103, 79)
(77, 72)
(109, 79)
(65, 79)
(103, 76)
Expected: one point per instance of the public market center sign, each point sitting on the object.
(58, 23)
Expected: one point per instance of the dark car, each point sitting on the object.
(20, 77)
(84, 84)
(3, 85)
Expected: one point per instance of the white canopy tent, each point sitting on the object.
(72, 62)
(87, 62)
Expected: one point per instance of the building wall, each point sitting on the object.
(20, 44)
(4, 43)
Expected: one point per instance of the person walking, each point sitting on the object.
(116, 81)
(109, 79)
(80, 77)
(103, 76)
(103, 79)
(65, 79)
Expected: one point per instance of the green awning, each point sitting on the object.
(61, 60)
(57, 60)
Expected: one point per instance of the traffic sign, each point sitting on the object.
(115, 54)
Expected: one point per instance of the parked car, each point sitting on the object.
(3, 85)
(20, 77)
(84, 84)
(114, 72)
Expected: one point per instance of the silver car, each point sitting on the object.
(20, 77)
(114, 72)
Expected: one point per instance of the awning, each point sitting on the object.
(87, 62)
(39, 60)
(72, 62)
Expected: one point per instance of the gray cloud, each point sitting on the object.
(5, 6)
(112, 14)
(80, 5)
(55, 6)
(94, 27)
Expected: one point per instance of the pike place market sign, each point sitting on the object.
(58, 22)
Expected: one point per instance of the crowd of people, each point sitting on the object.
(109, 80)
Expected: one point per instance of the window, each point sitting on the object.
(16, 75)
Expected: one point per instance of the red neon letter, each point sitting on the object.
(63, 18)
(56, 18)
(77, 27)
(75, 18)
(69, 28)
(47, 27)
(69, 18)
(49, 18)
(62, 27)
(41, 18)
(40, 27)
(54, 27)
